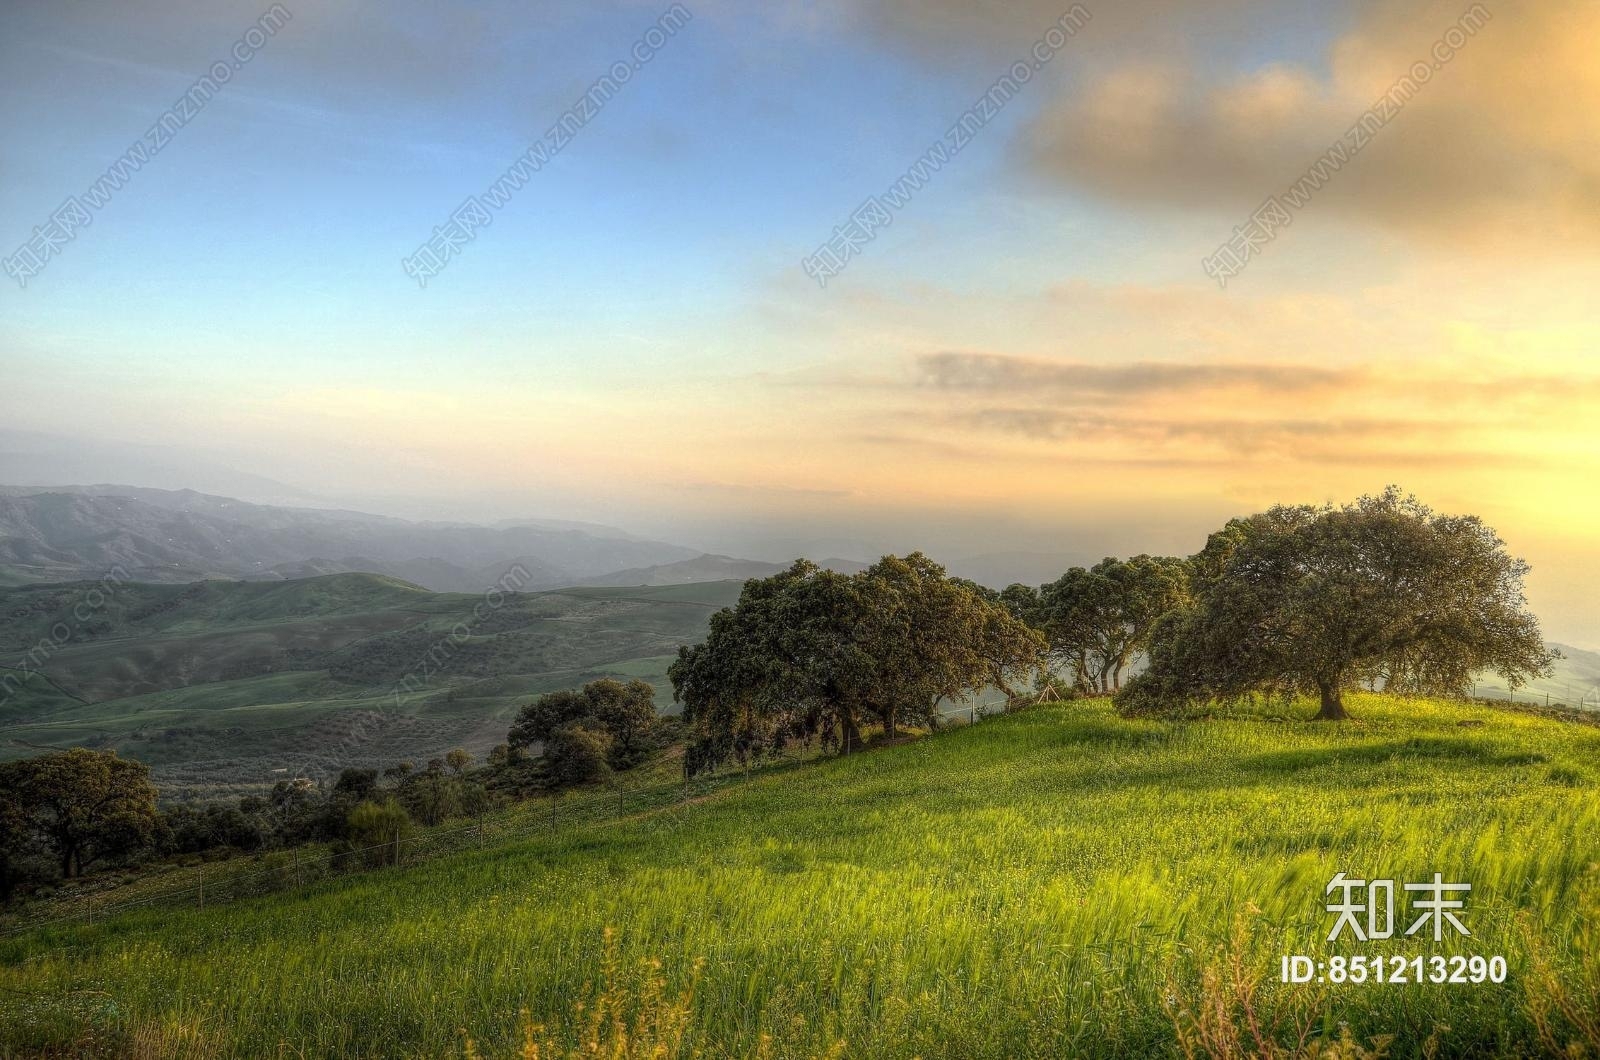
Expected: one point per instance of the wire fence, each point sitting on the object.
(295, 868)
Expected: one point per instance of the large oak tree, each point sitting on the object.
(83, 805)
(1316, 600)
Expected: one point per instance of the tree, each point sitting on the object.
(354, 784)
(931, 637)
(537, 720)
(624, 713)
(627, 714)
(576, 755)
(431, 796)
(810, 654)
(1316, 600)
(458, 760)
(1099, 619)
(85, 805)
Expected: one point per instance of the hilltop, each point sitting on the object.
(1044, 883)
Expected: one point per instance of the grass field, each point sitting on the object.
(1054, 882)
(223, 687)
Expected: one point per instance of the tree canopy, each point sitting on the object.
(812, 653)
(82, 805)
(1099, 619)
(619, 717)
(1316, 600)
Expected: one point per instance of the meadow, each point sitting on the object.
(1058, 881)
(223, 687)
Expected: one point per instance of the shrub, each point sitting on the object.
(375, 830)
(575, 754)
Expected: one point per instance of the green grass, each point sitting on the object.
(1036, 885)
(217, 685)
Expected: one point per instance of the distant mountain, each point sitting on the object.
(73, 532)
(38, 460)
(710, 568)
(706, 568)
(1576, 681)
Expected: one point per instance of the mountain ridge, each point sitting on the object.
(73, 532)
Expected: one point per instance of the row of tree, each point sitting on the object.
(1292, 601)
(1382, 593)
(65, 814)
(1097, 621)
(813, 654)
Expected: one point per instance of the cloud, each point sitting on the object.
(989, 373)
(1494, 142)
(945, 31)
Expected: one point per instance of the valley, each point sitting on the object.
(229, 686)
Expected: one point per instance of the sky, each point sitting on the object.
(1030, 356)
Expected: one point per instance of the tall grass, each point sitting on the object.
(1055, 882)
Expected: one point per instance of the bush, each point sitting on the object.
(374, 830)
(576, 755)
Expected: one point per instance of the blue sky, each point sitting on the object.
(633, 338)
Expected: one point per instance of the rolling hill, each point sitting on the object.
(1057, 882)
(234, 683)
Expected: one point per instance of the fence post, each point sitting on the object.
(202, 885)
(297, 866)
(620, 791)
(397, 848)
(973, 717)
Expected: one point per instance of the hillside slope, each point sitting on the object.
(1049, 883)
(238, 682)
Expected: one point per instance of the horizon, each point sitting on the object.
(1033, 355)
(996, 569)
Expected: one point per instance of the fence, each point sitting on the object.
(298, 867)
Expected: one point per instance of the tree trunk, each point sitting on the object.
(852, 734)
(888, 723)
(1332, 704)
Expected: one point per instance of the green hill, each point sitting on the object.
(1051, 883)
(233, 684)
